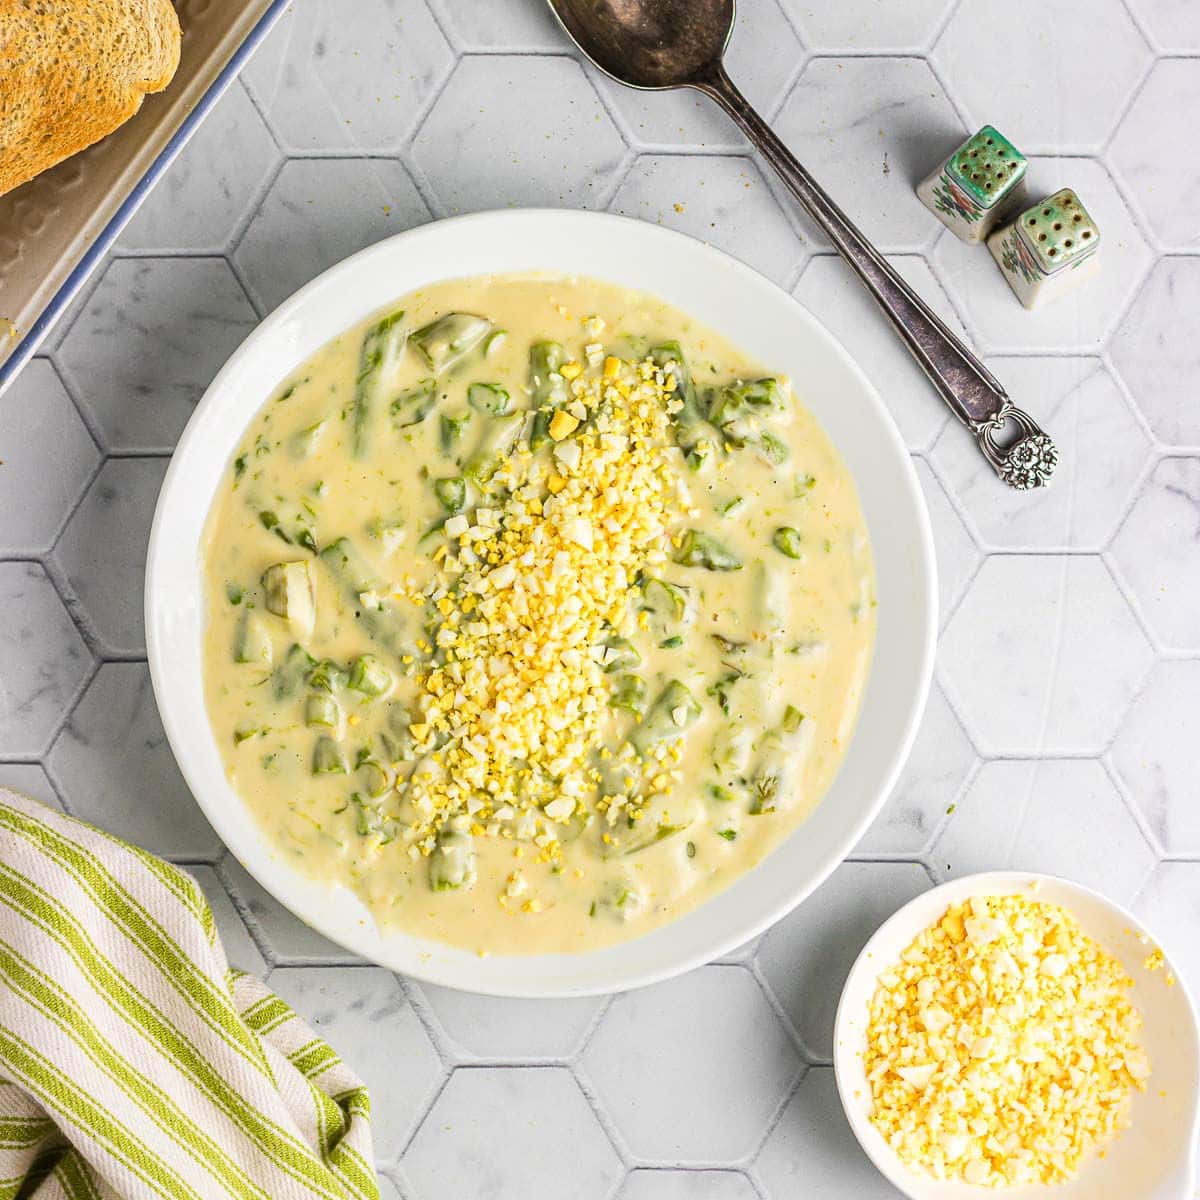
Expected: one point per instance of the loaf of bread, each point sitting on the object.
(71, 71)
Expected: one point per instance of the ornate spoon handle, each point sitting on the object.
(1021, 454)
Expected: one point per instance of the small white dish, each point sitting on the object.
(1155, 1158)
(720, 292)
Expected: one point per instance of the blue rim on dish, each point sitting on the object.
(25, 349)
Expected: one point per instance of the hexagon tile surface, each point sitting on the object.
(1060, 732)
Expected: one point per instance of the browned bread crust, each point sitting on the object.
(71, 71)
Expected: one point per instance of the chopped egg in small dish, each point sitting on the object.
(1020, 1034)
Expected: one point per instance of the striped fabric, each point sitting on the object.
(133, 1061)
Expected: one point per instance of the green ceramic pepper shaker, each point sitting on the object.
(980, 185)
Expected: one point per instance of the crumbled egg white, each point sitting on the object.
(1003, 1047)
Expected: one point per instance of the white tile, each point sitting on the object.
(812, 1151)
(102, 551)
(764, 53)
(240, 950)
(1157, 353)
(1102, 451)
(721, 200)
(957, 555)
(319, 211)
(832, 292)
(1158, 758)
(560, 147)
(349, 76)
(1077, 322)
(687, 1185)
(43, 660)
(527, 27)
(501, 1132)
(1032, 71)
(807, 956)
(941, 759)
(1146, 151)
(1057, 816)
(1173, 24)
(1157, 552)
(46, 457)
(148, 342)
(497, 1028)
(868, 129)
(364, 1015)
(1043, 655)
(874, 25)
(29, 779)
(204, 195)
(662, 1092)
(1169, 906)
(116, 770)
(287, 937)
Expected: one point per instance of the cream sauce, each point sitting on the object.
(807, 623)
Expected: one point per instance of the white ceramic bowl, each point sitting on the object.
(722, 293)
(1154, 1159)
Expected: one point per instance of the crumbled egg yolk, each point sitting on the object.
(523, 599)
(1003, 1047)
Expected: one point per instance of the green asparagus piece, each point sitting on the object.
(448, 340)
(670, 714)
(450, 431)
(494, 342)
(769, 598)
(414, 404)
(496, 442)
(738, 409)
(620, 654)
(546, 385)
(380, 357)
(664, 599)
(619, 901)
(289, 592)
(321, 709)
(326, 676)
(375, 778)
(355, 577)
(699, 549)
(629, 694)
(452, 863)
(488, 398)
(288, 676)
(302, 443)
(251, 641)
(328, 758)
(787, 541)
(451, 493)
(369, 676)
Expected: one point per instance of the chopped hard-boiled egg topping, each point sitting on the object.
(531, 600)
(1003, 1047)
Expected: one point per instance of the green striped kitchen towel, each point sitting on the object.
(133, 1061)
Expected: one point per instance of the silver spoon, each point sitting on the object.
(657, 44)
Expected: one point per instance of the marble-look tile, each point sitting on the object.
(857, 26)
(43, 660)
(941, 760)
(287, 938)
(200, 202)
(806, 957)
(102, 551)
(813, 1152)
(349, 76)
(116, 770)
(482, 27)
(764, 53)
(831, 291)
(500, 1132)
(1173, 24)
(661, 1093)
(1057, 816)
(1170, 907)
(1158, 759)
(1043, 655)
(1007, 65)
(687, 1185)
(148, 342)
(496, 1028)
(868, 129)
(319, 211)
(721, 200)
(1077, 322)
(956, 552)
(1146, 152)
(1157, 552)
(363, 1013)
(240, 949)
(29, 779)
(46, 458)
(1102, 453)
(560, 146)
(1157, 353)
